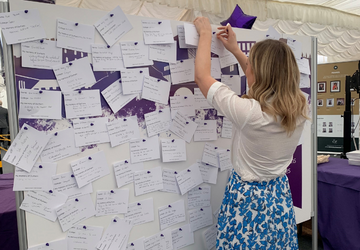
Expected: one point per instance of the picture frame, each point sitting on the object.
(335, 86)
(330, 102)
(321, 87)
(340, 101)
(320, 102)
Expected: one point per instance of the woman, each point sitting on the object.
(257, 209)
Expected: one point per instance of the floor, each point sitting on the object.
(305, 237)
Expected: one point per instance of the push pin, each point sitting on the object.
(70, 64)
(169, 206)
(41, 41)
(200, 188)
(40, 166)
(114, 220)
(132, 244)
(185, 97)
(189, 170)
(175, 172)
(25, 128)
(148, 172)
(26, 11)
(56, 134)
(136, 43)
(126, 162)
(181, 61)
(108, 46)
(180, 229)
(47, 244)
(91, 124)
(144, 140)
(159, 22)
(139, 204)
(40, 91)
(76, 199)
(141, 71)
(76, 24)
(112, 191)
(50, 191)
(201, 209)
(79, 91)
(125, 119)
(160, 111)
(90, 158)
(172, 140)
(72, 176)
(84, 227)
(231, 76)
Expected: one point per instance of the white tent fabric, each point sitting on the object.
(336, 23)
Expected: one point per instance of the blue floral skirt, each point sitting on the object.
(257, 215)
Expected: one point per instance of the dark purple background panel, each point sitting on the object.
(294, 174)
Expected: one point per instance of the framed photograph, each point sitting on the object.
(321, 87)
(340, 101)
(330, 102)
(335, 86)
(320, 102)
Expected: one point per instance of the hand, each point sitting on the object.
(228, 37)
(202, 25)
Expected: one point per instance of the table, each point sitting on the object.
(8, 223)
(339, 204)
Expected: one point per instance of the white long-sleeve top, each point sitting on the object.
(261, 148)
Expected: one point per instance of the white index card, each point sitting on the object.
(183, 104)
(183, 127)
(158, 121)
(39, 178)
(304, 81)
(115, 98)
(217, 47)
(135, 54)
(205, 131)
(74, 211)
(42, 54)
(74, 36)
(144, 149)
(26, 148)
(60, 146)
(210, 155)
(209, 236)
(227, 59)
(295, 46)
(304, 66)
(112, 202)
(66, 183)
(43, 203)
(105, 58)
(208, 173)
(40, 104)
(189, 178)
(200, 218)
(171, 214)
(141, 212)
(90, 168)
(82, 103)
(182, 71)
(200, 101)
(163, 52)
(22, 26)
(159, 241)
(157, 31)
(191, 34)
(215, 68)
(83, 237)
(132, 80)
(156, 90)
(233, 81)
(199, 197)
(52, 245)
(182, 237)
(124, 171)
(90, 131)
(146, 181)
(136, 245)
(181, 38)
(169, 181)
(123, 130)
(115, 235)
(113, 26)
(74, 75)
(226, 130)
(173, 150)
(225, 159)
(271, 33)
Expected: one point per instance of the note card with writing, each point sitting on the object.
(106, 58)
(210, 155)
(43, 203)
(183, 104)
(205, 131)
(171, 214)
(159, 241)
(295, 47)
(169, 181)
(226, 130)
(60, 146)
(191, 34)
(41, 54)
(40, 104)
(74, 75)
(225, 159)
(113, 26)
(144, 149)
(183, 127)
(146, 181)
(217, 46)
(123, 130)
(304, 65)
(215, 68)
(200, 101)
(209, 236)
(74, 36)
(66, 183)
(52, 245)
(84, 237)
(90, 168)
(141, 212)
(189, 178)
(173, 150)
(199, 197)
(156, 90)
(233, 81)
(182, 71)
(74, 211)
(116, 235)
(82, 103)
(182, 237)
(208, 173)
(132, 80)
(22, 26)
(163, 52)
(90, 131)
(112, 202)
(26, 148)
(136, 245)
(114, 96)
(227, 59)
(158, 121)
(157, 31)
(38, 179)
(124, 171)
(181, 38)
(135, 54)
(200, 218)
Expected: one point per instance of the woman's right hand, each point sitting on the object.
(228, 37)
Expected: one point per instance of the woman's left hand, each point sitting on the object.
(202, 25)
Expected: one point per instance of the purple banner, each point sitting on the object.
(294, 174)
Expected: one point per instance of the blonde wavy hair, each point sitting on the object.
(276, 85)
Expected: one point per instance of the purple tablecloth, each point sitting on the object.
(339, 204)
(8, 225)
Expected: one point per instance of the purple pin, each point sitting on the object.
(91, 124)
(111, 15)
(76, 24)
(215, 147)
(114, 220)
(158, 80)
(40, 91)
(200, 188)
(125, 119)
(76, 199)
(79, 91)
(181, 61)
(50, 191)
(126, 162)
(26, 11)
(189, 170)
(25, 128)
(112, 191)
(72, 176)
(231, 76)
(47, 244)
(139, 204)
(40, 166)
(207, 164)
(144, 140)
(201, 209)
(214, 32)
(267, 35)
(185, 97)
(160, 111)
(120, 81)
(41, 40)
(84, 227)
(56, 134)
(161, 235)
(172, 140)
(216, 226)
(180, 229)
(148, 172)
(187, 122)
(159, 22)
(108, 46)
(132, 244)
(90, 158)
(169, 206)
(141, 71)
(175, 172)
(70, 64)
(205, 123)
(135, 43)
(228, 150)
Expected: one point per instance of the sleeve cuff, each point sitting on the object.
(212, 90)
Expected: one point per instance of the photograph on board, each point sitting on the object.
(335, 86)
(330, 102)
(321, 87)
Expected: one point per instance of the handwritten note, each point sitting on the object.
(226, 130)
(233, 81)
(116, 235)
(90, 131)
(156, 90)
(295, 47)
(182, 237)
(124, 171)
(189, 178)
(200, 218)
(163, 52)
(113, 26)
(157, 31)
(183, 127)
(83, 237)
(227, 59)
(146, 181)
(133, 79)
(112, 202)
(304, 65)
(173, 150)
(209, 236)
(169, 181)
(158, 121)
(215, 68)
(107, 59)
(52, 245)
(123, 130)
(205, 131)
(65, 183)
(225, 159)
(159, 241)
(208, 173)
(200, 101)
(42, 54)
(82, 103)
(191, 34)
(183, 104)
(141, 212)
(199, 197)
(182, 71)
(217, 46)
(304, 81)
(135, 54)
(181, 38)
(210, 155)
(144, 149)
(171, 214)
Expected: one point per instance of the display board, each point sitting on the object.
(40, 230)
